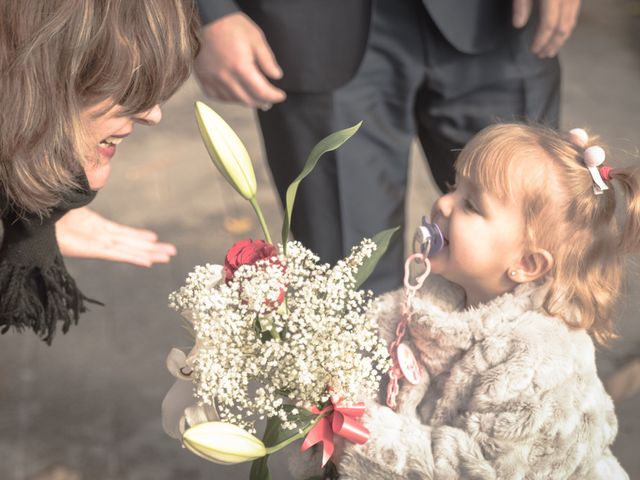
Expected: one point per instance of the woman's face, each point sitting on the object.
(105, 132)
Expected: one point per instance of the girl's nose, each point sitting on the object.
(149, 117)
(442, 206)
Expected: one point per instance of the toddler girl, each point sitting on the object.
(532, 266)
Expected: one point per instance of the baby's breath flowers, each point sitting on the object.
(254, 360)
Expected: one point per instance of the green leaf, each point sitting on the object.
(382, 240)
(274, 434)
(327, 144)
(260, 469)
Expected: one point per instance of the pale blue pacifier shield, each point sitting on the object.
(428, 238)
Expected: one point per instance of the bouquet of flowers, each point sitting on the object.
(278, 335)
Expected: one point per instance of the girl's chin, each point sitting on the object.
(435, 261)
(437, 271)
(98, 175)
(438, 268)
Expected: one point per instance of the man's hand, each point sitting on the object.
(84, 233)
(557, 20)
(236, 63)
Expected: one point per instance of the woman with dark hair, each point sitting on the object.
(75, 77)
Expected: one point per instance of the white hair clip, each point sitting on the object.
(593, 157)
(579, 137)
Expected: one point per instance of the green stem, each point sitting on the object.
(275, 335)
(254, 203)
(286, 442)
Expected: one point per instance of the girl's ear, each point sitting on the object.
(531, 266)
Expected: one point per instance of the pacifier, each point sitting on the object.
(428, 238)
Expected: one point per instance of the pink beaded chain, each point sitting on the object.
(408, 368)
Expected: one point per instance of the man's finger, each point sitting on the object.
(568, 18)
(211, 89)
(551, 49)
(521, 12)
(259, 88)
(267, 62)
(234, 90)
(549, 18)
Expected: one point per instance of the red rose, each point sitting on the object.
(246, 252)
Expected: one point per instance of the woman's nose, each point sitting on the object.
(149, 117)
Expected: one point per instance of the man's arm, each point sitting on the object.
(212, 10)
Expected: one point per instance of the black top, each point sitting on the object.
(36, 291)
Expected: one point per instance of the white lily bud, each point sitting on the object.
(227, 151)
(223, 443)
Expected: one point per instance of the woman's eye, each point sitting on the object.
(451, 187)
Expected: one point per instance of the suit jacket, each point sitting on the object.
(320, 43)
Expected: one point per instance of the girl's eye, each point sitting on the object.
(451, 187)
(470, 206)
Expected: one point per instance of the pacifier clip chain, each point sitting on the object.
(404, 361)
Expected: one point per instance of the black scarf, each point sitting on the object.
(36, 291)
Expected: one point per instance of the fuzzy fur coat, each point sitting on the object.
(509, 393)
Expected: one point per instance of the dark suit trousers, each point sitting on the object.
(411, 82)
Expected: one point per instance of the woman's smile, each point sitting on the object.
(107, 147)
(107, 131)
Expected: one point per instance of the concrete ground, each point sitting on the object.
(89, 406)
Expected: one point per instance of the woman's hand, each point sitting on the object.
(84, 233)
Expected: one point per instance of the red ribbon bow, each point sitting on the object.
(336, 420)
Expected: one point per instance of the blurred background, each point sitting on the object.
(88, 407)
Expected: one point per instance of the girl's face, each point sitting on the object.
(105, 132)
(484, 239)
